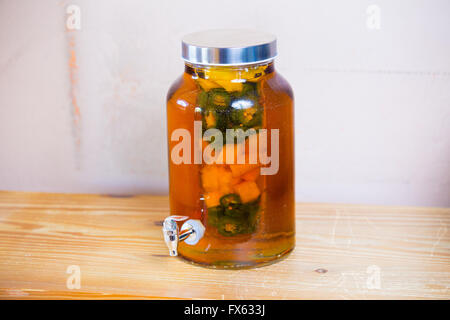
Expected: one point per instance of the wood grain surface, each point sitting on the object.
(342, 252)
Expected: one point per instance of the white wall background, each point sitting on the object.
(372, 106)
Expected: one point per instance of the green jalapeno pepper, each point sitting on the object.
(232, 205)
(230, 226)
(215, 215)
(215, 119)
(230, 199)
(246, 113)
(202, 99)
(218, 98)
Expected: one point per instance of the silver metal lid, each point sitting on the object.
(228, 47)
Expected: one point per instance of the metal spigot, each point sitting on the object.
(191, 232)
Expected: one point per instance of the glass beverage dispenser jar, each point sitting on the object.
(230, 120)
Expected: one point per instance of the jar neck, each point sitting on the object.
(244, 72)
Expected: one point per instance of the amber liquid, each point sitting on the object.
(274, 236)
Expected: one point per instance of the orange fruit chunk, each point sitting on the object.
(248, 191)
(212, 199)
(216, 178)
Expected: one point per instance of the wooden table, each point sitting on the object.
(342, 252)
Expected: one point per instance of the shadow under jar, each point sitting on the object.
(230, 120)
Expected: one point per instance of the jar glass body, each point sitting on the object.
(246, 205)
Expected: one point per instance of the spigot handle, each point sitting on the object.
(191, 232)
